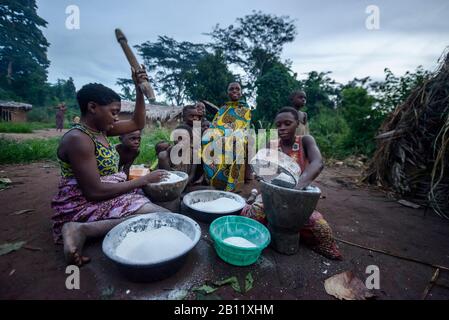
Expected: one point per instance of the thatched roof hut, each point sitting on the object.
(11, 111)
(412, 156)
(154, 112)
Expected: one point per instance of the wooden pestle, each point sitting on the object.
(144, 86)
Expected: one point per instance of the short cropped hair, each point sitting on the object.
(292, 110)
(95, 92)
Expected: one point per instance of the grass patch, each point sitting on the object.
(24, 127)
(149, 140)
(28, 150)
(31, 150)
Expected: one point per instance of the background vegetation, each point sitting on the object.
(344, 118)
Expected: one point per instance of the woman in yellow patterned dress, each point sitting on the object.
(227, 170)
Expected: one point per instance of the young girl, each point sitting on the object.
(93, 195)
(128, 150)
(303, 149)
(298, 101)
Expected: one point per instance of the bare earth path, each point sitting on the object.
(357, 213)
(37, 134)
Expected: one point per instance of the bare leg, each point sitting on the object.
(75, 234)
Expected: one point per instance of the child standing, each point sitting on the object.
(190, 114)
(298, 101)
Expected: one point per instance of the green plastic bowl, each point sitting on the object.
(238, 226)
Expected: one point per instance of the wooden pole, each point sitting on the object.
(144, 86)
(394, 255)
(431, 284)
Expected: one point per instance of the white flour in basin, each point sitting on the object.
(216, 206)
(172, 178)
(240, 242)
(153, 245)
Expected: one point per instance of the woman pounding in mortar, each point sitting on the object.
(93, 195)
(303, 149)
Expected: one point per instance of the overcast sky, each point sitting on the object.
(332, 35)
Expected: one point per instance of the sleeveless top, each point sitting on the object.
(297, 153)
(107, 157)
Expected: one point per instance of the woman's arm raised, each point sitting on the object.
(137, 122)
(315, 166)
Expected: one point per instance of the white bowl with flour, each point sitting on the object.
(207, 205)
(169, 189)
(151, 246)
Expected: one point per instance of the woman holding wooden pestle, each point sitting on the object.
(93, 195)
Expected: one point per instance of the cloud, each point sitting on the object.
(331, 35)
(367, 54)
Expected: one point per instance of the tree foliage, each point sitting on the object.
(357, 108)
(321, 92)
(331, 131)
(273, 90)
(168, 62)
(23, 51)
(209, 79)
(255, 42)
(128, 89)
(394, 90)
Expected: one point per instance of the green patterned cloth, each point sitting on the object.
(107, 157)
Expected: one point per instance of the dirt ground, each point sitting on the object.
(358, 214)
(37, 134)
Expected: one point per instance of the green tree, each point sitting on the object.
(23, 51)
(69, 89)
(128, 89)
(330, 130)
(363, 119)
(61, 91)
(209, 79)
(321, 92)
(394, 90)
(273, 90)
(255, 43)
(169, 61)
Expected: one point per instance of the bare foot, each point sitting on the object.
(74, 237)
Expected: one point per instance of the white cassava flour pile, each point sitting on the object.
(172, 178)
(218, 205)
(153, 245)
(239, 242)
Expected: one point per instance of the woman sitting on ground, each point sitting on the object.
(93, 195)
(303, 149)
(173, 158)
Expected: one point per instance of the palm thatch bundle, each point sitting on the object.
(412, 156)
(153, 112)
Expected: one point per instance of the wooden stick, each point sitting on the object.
(32, 248)
(441, 285)
(431, 283)
(144, 86)
(394, 255)
(211, 106)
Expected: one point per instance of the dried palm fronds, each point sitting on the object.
(412, 156)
